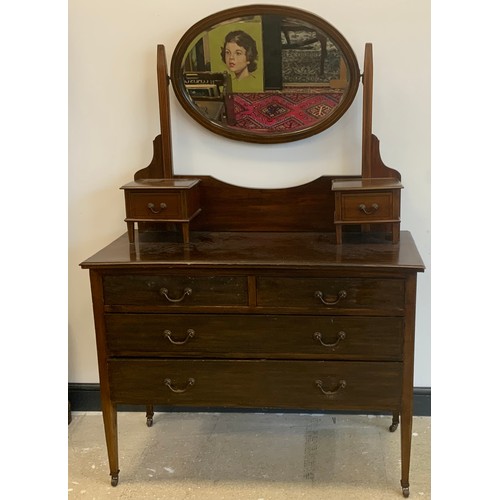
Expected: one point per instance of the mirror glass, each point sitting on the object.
(264, 73)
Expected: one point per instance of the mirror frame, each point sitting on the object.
(177, 74)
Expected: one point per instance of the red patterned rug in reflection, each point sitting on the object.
(282, 112)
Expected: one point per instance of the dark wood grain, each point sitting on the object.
(386, 295)
(309, 207)
(147, 290)
(255, 336)
(250, 384)
(307, 253)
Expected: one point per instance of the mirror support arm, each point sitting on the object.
(367, 79)
(372, 164)
(166, 138)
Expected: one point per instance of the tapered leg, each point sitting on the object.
(185, 233)
(407, 387)
(395, 232)
(108, 408)
(338, 234)
(109, 416)
(131, 232)
(406, 432)
(149, 415)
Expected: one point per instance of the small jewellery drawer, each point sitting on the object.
(154, 206)
(367, 206)
(333, 293)
(253, 384)
(231, 335)
(175, 290)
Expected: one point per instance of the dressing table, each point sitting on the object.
(263, 299)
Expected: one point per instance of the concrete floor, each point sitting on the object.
(240, 456)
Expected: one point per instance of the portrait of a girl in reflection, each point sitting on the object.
(239, 54)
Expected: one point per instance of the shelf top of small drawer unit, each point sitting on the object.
(360, 184)
(174, 184)
(257, 250)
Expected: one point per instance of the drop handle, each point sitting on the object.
(340, 337)
(151, 207)
(189, 335)
(339, 387)
(341, 295)
(369, 211)
(168, 382)
(186, 293)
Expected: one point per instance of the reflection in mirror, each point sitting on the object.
(274, 76)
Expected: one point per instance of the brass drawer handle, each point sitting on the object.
(168, 383)
(168, 335)
(340, 337)
(341, 295)
(186, 293)
(371, 211)
(151, 207)
(341, 385)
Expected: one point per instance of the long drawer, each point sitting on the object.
(168, 290)
(230, 335)
(335, 293)
(253, 384)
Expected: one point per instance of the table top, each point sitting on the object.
(161, 184)
(259, 250)
(361, 184)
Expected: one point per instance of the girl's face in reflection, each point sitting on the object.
(236, 59)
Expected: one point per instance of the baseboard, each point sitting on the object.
(86, 397)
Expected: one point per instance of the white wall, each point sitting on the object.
(114, 117)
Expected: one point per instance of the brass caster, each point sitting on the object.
(114, 480)
(393, 427)
(149, 415)
(406, 492)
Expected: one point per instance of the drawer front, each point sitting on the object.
(175, 290)
(383, 295)
(252, 384)
(367, 206)
(154, 205)
(228, 335)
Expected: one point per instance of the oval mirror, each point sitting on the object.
(264, 73)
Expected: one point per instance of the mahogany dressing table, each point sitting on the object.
(260, 302)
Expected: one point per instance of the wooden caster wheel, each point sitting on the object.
(114, 480)
(149, 422)
(393, 427)
(406, 492)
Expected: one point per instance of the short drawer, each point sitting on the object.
(247, 336)
(253, 384)
(380, 295)
(367, 206)
(149, 205)
(175, 290)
